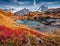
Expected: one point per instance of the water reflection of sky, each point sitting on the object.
(27, 22)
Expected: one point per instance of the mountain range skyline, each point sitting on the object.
(29, 4)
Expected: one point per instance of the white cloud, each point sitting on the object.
(35, 3)
(14, 7)
(55, 7)
(26, 2)
(42, 3)
(20, 2)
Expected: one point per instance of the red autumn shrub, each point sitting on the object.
(9, 33)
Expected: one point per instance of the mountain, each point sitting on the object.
(5, 13)
(22, 12)
(6, 21)
(50, 13)
(12, 34)
(43, 8)
(12, 10)
(53, 12)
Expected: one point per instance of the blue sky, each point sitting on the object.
(30, 4)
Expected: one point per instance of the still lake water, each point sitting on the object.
(40, 27)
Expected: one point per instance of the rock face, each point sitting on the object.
(43, 8)
(22, 12)
(54, 11)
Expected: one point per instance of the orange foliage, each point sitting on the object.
(6, 21)
(10, 30)
(6, 13)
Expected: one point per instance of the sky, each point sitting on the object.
(29, 4)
